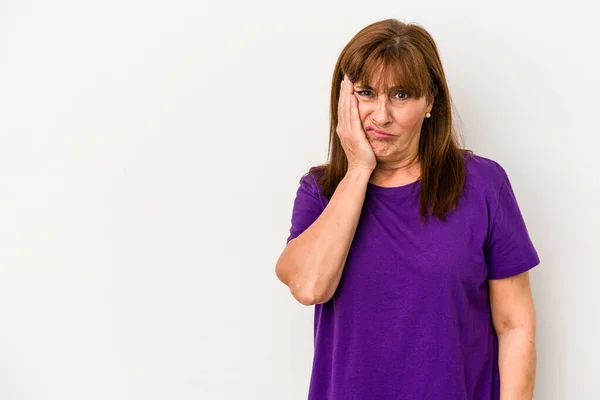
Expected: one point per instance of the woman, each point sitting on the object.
(413, 251)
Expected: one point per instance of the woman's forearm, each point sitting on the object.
(517, 363)
(312, 263)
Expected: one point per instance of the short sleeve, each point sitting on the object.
(508, 250)
(307, 206)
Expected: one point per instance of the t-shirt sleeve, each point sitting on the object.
(508, 250)
(307, 206)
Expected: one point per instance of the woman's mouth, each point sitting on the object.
(379, 134)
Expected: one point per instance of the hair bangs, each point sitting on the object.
(404, 69)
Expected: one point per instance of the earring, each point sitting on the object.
(428, 115)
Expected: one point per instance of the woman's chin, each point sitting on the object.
(381, 149)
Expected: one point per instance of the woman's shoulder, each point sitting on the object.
(310, 177)
(484, 171)
(481, 173)
(317, 170)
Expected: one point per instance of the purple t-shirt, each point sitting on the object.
(410, 318)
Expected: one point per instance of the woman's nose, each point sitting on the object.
(382, 115)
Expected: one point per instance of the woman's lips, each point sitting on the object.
(378, 133)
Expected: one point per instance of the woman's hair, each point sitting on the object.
(407, 54)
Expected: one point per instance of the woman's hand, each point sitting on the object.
(350, 131)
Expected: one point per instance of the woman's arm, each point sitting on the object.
(311, 265)
(513, 316)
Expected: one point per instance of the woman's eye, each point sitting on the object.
(367, 93)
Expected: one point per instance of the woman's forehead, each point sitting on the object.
(373, 84)
(376, 78)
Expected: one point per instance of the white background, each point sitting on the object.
(149, 156)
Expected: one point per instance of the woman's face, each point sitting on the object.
(390, 110)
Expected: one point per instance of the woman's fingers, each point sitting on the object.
(341, 90)
(354, 117)
(348, 108)
(345, 102)
(349, 129)
(352, 120)
(343, 109)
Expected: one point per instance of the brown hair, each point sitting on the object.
(409, 55)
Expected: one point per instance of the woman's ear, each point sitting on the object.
(434, 91)
(432, 95)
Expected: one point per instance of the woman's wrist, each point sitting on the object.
(359, 174)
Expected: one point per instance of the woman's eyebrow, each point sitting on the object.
(373, 89)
